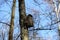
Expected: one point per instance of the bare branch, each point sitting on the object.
(5, 23)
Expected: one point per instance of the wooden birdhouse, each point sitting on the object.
(29, 21)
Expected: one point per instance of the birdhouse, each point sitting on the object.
(29, 21)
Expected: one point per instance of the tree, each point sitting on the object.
(12, 21)
(22, 17)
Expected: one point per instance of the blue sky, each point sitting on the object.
(44, 8)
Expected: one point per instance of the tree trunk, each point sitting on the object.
(22, 16)
(57, 10)
(12, 21)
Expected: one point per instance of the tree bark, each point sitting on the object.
(22, 17)
(12, 21)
